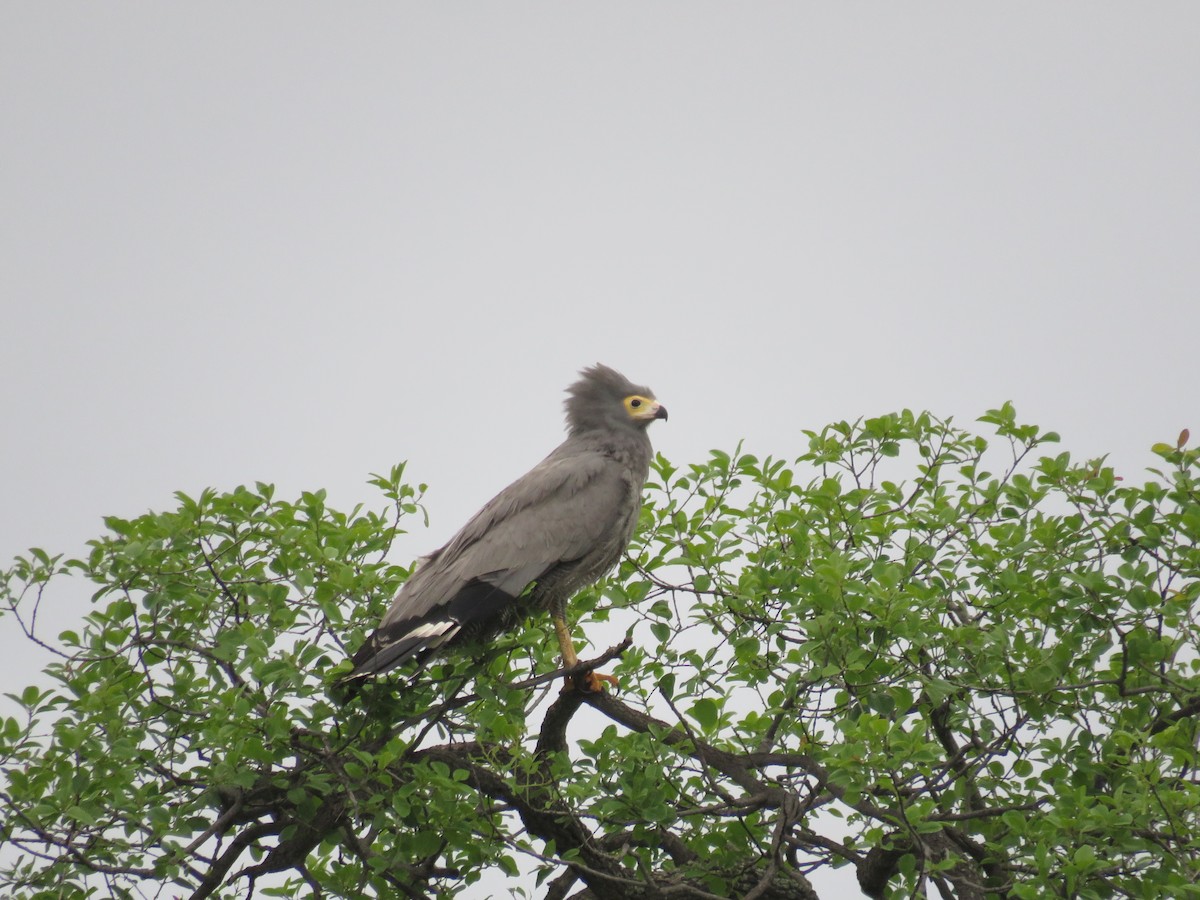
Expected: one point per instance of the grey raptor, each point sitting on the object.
(550, 533)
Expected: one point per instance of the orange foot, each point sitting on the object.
(590, 682)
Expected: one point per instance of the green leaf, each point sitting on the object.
(81, 815)
(705, 711)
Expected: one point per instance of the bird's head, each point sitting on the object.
(605, 400)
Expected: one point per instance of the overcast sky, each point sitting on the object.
(299, 243)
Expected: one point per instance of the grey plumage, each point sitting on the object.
(548, 534)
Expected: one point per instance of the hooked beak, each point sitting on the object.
(648, 410)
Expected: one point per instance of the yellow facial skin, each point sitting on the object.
(644, 408)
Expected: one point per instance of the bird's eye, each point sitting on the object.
(635, 403)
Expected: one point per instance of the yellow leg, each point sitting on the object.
(586, 681)
(564, 640)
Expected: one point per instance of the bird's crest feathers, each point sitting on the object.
(598, 395)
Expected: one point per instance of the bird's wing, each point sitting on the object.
(562, 509)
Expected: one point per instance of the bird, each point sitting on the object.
(555, 530)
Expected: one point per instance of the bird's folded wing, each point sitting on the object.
(560, 511)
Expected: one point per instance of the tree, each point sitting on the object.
(935, 658)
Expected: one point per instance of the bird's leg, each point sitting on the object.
(565, 643)
(586, 681)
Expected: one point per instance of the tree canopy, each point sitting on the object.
(930, 656)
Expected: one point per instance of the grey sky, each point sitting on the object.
(297, 243)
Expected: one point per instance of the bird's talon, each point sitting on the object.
(590, 682)
(599, 679)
